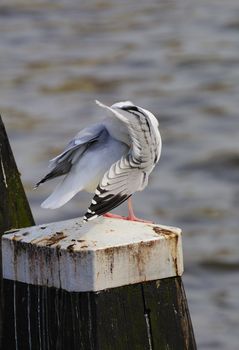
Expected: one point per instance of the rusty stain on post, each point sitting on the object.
(162, 231)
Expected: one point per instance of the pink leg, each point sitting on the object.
(113, 216)
(131, 216)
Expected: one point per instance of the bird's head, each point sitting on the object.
(130, 107)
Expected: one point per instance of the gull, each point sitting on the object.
(112, 159)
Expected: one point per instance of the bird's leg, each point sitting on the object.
(131, 216)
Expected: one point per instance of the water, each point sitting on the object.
(180, 59)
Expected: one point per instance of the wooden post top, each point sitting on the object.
(104, 253)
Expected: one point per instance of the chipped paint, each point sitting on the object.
(162, 231)
(49, 241)
(103, 254)
(70, 247)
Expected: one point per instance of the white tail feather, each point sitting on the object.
(61, 195)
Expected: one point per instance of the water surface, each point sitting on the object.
(180, 59)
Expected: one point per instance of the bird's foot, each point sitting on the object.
(113, 216)
(129, 218)
(134, 218)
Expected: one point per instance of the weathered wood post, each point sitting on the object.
(108, 284)
(14, 208)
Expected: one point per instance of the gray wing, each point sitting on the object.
(116, 186)
(62, 164)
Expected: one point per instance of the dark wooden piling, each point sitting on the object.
(144, 316)
(14, 208)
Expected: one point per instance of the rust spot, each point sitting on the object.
(175, 259)
(176, 265)
(48, 242)
(141, 255)
(149, 244)
(111, 250)
(17, 238)
(58, 250)
(161, 231)
(80, 240)
(70, 247)
(110, 256)
(25, 233)
(84, 246)
(138, 253)
(111, 266)
(173, 249)
(58, 236)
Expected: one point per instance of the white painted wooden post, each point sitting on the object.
(94, 256)
(104, 255)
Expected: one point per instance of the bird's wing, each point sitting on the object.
(117, 185)
(62, 164)
(130, 173)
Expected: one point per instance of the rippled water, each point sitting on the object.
(180, 59)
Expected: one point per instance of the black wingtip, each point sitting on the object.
(102, 205)
(89, 216)
(39, 183)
